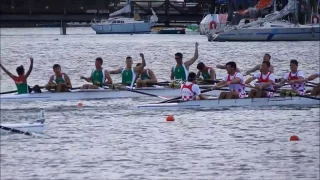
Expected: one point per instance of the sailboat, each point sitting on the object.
(117, 24)
(270, 28)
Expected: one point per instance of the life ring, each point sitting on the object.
(315, 19)
(213, 25)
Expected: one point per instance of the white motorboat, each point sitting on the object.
(252, 102)
(36, 126)
(124, 25)
(93, 94)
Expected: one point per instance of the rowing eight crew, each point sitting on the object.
(264, 88)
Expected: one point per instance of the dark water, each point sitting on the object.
(109, 140)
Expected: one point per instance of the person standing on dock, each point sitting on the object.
(146, 78)
(180, 70)
(99, 77)
(60, 82)
(129, 74)
(266, 57)
(21, 79)
(206, 73)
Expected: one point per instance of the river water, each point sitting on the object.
(109, 140)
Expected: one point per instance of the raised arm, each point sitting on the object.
(142, 65)
(7, 72)
(256, 68)
(108, 79)
(68, 82)
(30, 68)
(117, 71)
(194, 58)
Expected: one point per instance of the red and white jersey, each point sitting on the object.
(295, 76)
(264, 78)
(240, 88)
(189, 91)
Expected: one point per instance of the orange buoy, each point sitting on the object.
(80, 104)
(294, 138)
(170, 118)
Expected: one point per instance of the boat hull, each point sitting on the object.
(252, 102)
(93, 95)
(26, 127)
(308, 33)
(127, 28)
(98, 94)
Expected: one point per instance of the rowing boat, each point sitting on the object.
(93, 94)
(217, 103)
(37, 126)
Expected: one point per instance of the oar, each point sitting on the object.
(139, 92)
(16, 131)
(313, 83)
(176, 98)
(291, 93)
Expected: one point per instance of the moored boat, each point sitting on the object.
(124, 25)
(36, 126)
(252, 102)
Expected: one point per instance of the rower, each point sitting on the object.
(316, 89)
(180, 70)
(130, 73)
(234, 80)
(266, 57)
(266, 80)
(99, 77)
(207, 73)
(21, 79)
(190, 90)
(295, 78)
(146, 78)
(60, 82)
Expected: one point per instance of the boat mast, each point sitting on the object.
(296, 14)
